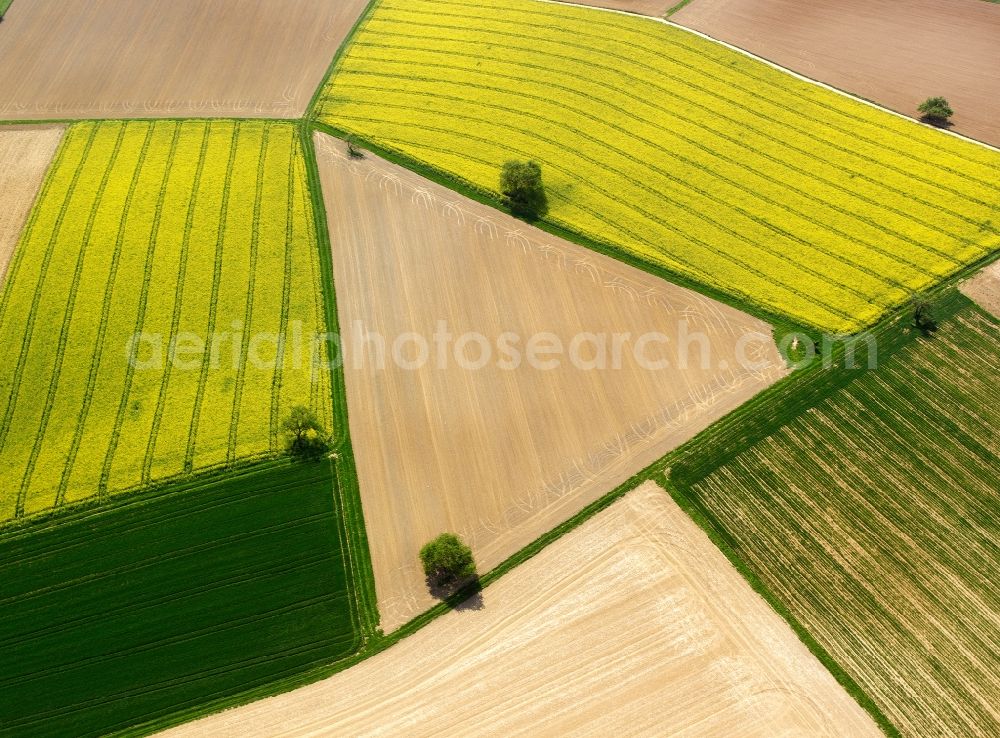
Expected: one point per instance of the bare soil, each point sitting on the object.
(25, 154)
(893, 52)
(204, 58)
(631, 624)
(502, 455)
(984, 289)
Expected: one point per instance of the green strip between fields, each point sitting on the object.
(4, 7)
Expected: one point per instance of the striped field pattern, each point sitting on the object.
(873, 517)
(683, 153)
(172, 229)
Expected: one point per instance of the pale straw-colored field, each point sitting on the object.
(495, 454)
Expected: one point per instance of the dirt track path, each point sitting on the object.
(632, 624)
(204, 58)
(502, 455)
(893, 52)
(25, 153)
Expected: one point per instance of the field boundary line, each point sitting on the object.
(140, 318)
(213, 299)
(348, 484)
(775, 65)
(67, 322)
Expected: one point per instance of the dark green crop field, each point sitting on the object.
(872, 513)
(119, 615)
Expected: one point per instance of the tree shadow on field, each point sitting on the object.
(464, 595)
(944, 125)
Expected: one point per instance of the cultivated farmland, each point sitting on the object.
(895, 52)
(693, 157)
(195, 234)
(116, 616)
(501, 454)
(873, 517)
(632, 622)
(109, 59)
(24, 158)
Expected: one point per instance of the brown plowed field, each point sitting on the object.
(501, 455)
(632, 624)
(893, 52)
(204, 58)
(25, 153)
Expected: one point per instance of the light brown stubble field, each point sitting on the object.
(984, 288)
(894, 52)
(632, 622)
(501, 456)
(204, 58)
(25, 154)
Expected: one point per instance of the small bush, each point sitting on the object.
(936, 110)
(305, 437)
(447, 561)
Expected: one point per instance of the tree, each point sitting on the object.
(306, 438)
(936, 110)
(352, 149)
(924, 317)
(447, 561)
(521, 184)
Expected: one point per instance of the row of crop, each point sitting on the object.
(628, 73)
(732, 190)
(913, 141)
(161, 270)
(44, 267)
(884, 493)
(177, 301)
(725, 157)
(213, 301)
(60, 349)
(248, 314)
(109, 307)
(153, 253)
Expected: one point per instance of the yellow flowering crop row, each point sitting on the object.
(166, 229)
(676, 150)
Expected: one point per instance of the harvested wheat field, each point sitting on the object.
(501, 454)
(893, 52)
(107, 59)
(984, 288)
(630, 624)
(25, 153)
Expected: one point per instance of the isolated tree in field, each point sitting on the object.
(936, 110)
(521, 184)
(352, 149)
(447, 561)
(306, 438)
(923, 316)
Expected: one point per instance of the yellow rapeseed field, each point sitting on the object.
(198, 238)
(677, 150)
